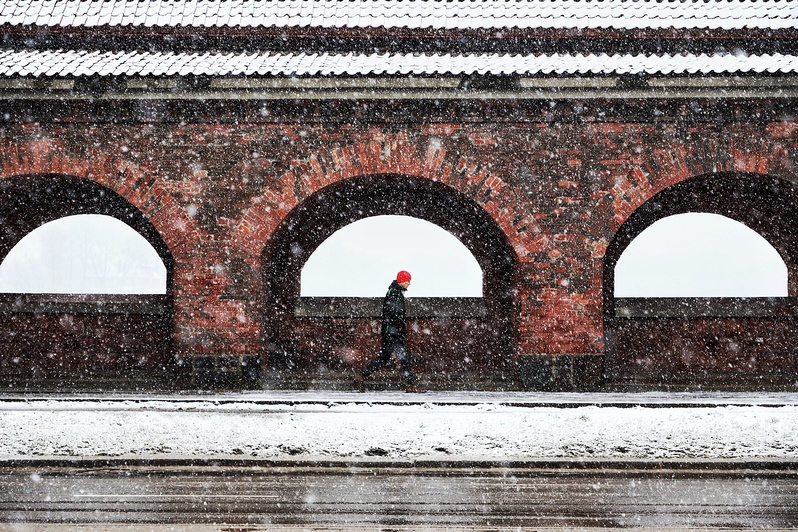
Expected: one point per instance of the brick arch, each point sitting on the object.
(30, 201)
(727, 347)
(473, 345)
(671, 165)
(39, 183)
(136, 185)
(764, 203)
(389, 156)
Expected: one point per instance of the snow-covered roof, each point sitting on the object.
(82, 63)
(392, 37)
(433, 14)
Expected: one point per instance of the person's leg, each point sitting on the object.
(406, 359)
(382, 360)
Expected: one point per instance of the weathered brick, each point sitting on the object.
(557, 191)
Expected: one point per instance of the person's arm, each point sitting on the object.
(393, 312)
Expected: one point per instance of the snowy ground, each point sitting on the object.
(399, 426)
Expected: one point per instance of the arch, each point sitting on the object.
(28, 202)
(700, 255)
(317, 217)
(671, 165)
(763, 203)
(83, 254)
(53, 157)
(356, 260)
(707, 340)
(110, 337)
(392, 156)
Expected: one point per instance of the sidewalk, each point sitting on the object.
(394, 426)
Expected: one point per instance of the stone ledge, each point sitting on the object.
(705, 307)
(85, 304)
(371, 307)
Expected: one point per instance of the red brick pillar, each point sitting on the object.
(217, 331)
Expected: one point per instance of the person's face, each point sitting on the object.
(405, 284)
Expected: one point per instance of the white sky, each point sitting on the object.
(363, 258)
(687, 255)
(86, 253)
(699, 255)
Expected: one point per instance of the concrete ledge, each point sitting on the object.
(705, 307)
(85, 304)
(115, 88)
(371, 307)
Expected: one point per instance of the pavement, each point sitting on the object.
(516, 399)
(248, 498)
(372, 527)
(291, 461)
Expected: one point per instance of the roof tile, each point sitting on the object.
(81, 63)
(626, 14)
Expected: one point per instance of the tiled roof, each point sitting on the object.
(82, 63)
(456, 14)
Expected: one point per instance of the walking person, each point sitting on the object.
(393, 330)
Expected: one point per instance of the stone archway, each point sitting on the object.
(75, 339)
(485, 346)
(707, 342)
(143, 191)
(26, 202)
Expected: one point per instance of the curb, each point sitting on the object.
(322, 399)
(758, 466)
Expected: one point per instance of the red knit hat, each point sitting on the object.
(402, 277)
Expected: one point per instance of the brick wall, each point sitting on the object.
(707, 343)
(71, 341)
(223, 182)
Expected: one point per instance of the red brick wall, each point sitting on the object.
(558, 178)
(709, 353)
(126, 346)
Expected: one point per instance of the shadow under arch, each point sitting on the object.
(74, 340)
(485, 345)
(707, 342)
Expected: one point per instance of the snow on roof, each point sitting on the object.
(433, 14)
(84, 63)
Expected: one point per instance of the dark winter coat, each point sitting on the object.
(393, 312)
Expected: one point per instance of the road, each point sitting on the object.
(336, 495)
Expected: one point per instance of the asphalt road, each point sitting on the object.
(256, 496)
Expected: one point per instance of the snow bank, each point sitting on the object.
(490, 430)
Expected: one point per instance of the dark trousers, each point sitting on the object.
(393, 346)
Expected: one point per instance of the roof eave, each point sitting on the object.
(447, 87)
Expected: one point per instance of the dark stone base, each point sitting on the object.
(219, 372)
(389, 379)
(561, 373)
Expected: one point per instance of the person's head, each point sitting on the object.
(403, 279)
